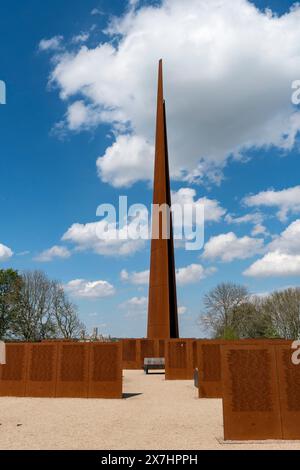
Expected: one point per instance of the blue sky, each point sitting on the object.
(81, 84)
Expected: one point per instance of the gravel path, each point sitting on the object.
(156, 414)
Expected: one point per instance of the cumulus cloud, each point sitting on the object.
(5, 253)
(255, 218)
(80, 38)
(287, 201)
(192, 274)
(228, 247)
(186, 275)
(215, 107)
(52, 44)
(283, 256)
(275, 264)
(182, 310)
(96, 11)
(136, 306)
(138, 278)
(103, 238)
(213, 212)
(90, 289)
(54, 252)
(129, 159)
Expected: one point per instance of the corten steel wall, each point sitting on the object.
(105, 371)
(13, 373)
(251, 407)
(289, 391)
(179, 359)
(62, 369)
(41, 370)
(72, 370)
(209, 363)
(209, 368)
(148, 348)
(131, 351)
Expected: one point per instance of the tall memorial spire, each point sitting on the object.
(162, 306)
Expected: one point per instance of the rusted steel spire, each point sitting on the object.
(162, 307)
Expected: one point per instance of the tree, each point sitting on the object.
(219, 304)
(10, 285)
(250, 320)
(283, 309)
(34, 318)
(68, 324)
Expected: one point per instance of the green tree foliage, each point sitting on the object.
(231, 313)
(10, 287)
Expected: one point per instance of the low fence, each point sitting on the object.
(62, 369)
(261, 391)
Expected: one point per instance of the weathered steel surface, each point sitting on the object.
(162, 307)
(62, 369)
(105, 371)
(41, 371)
(209, 362)
(179, 359)
(289, 390)
(72, 370)
(13, 373)
(251, 406)
(130, 353)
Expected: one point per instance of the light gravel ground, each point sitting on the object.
(165, 415)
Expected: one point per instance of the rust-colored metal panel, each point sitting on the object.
(130, 353)
(161, 348)
(209, 368)
(162, 307)
(105, 370)
(209, 362)
(179, 359)
(251, 408)
(147, 349)
(289, 389)
(13, 373)
(42, 370)
(72, 370)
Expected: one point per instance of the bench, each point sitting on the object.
(154, 363)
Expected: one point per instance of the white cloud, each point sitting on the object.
(79, 116)
(186, 275)
(52, 44)
(283, 257)
(215, 107)
(275, 264)
(96, 11)
(228, 247)
(138, 278)
(287, 201)
(136, 306)
(128, 160)
(182, 310)
(5, 253)
(213, 212)
(255, 218)
(80, 38)
(288, 241)
(102, 239)
(54, 252)
(192, 274)
(90, 289)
